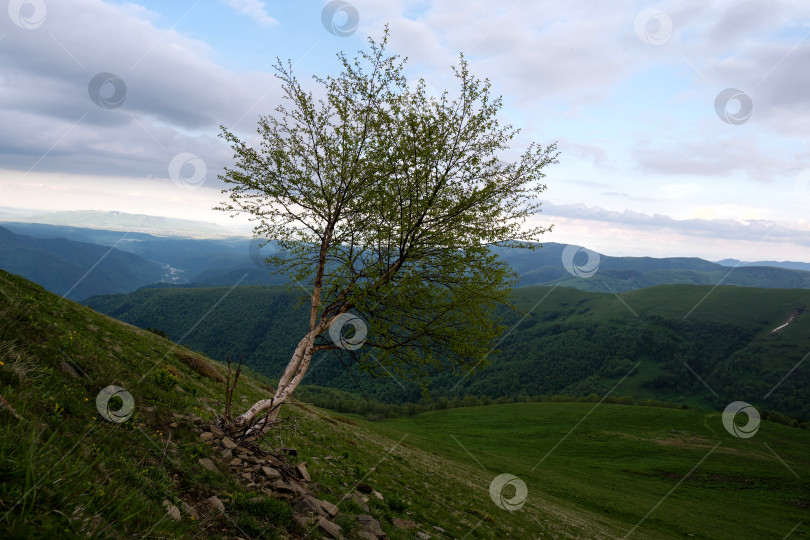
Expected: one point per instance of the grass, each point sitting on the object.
(67, 472)
(620, 462)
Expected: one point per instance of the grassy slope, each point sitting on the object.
(621, 461)
(64, 471)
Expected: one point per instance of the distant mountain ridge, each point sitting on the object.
(122, 221)
(791, 265)
(227, 261)
(73, 269)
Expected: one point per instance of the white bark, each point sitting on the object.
(293, 373)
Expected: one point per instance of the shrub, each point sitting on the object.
(165, 379)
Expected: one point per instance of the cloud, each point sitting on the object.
(755, 229)
(175, 97)
(718, 155)
(255, 9)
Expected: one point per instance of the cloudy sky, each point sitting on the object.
(683, 125)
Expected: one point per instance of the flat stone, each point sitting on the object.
(377, 494)
(438, 528)
(358, 500)
(329, 508)
(283, 487)
(308, 506)
(207, 464)
(227, 442)
(172, 510)
(235, 462)
(227, 453)
(173, 425)
(218, 433)
(207, 436)
(271, 473)
(422, 536)
(332, 529)
(302, 471)
(404, 523)
(216, 503)
(251, 459)
(244, 450)
(368, 523)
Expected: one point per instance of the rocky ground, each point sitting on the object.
(277, 475)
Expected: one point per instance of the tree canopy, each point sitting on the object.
(385, 201)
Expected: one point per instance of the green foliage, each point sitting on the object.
(165, 379)
(157, 332)
(385, 200)
(396, 503)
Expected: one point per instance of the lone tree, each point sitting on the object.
(385, 202)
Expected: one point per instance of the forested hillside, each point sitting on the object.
(562, 341)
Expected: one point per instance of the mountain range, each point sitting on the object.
(227, 261)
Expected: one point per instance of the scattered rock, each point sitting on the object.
(218, 433)
(332, 529)
(271, 473)
(67, 368)
(216, 503)
(438, 528)
(308, 506)
(358, 500)
(226, 454)
(207, 436)
(369, 524)
(173, 425)
(227, 442)
(404, 523)
(302, 471)
(377, 494)
(172, 510)
(422, 536)
(283, 487)
(331, 509)
(235, 462)
(207, 464)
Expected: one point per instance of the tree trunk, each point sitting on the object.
(293, 373)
